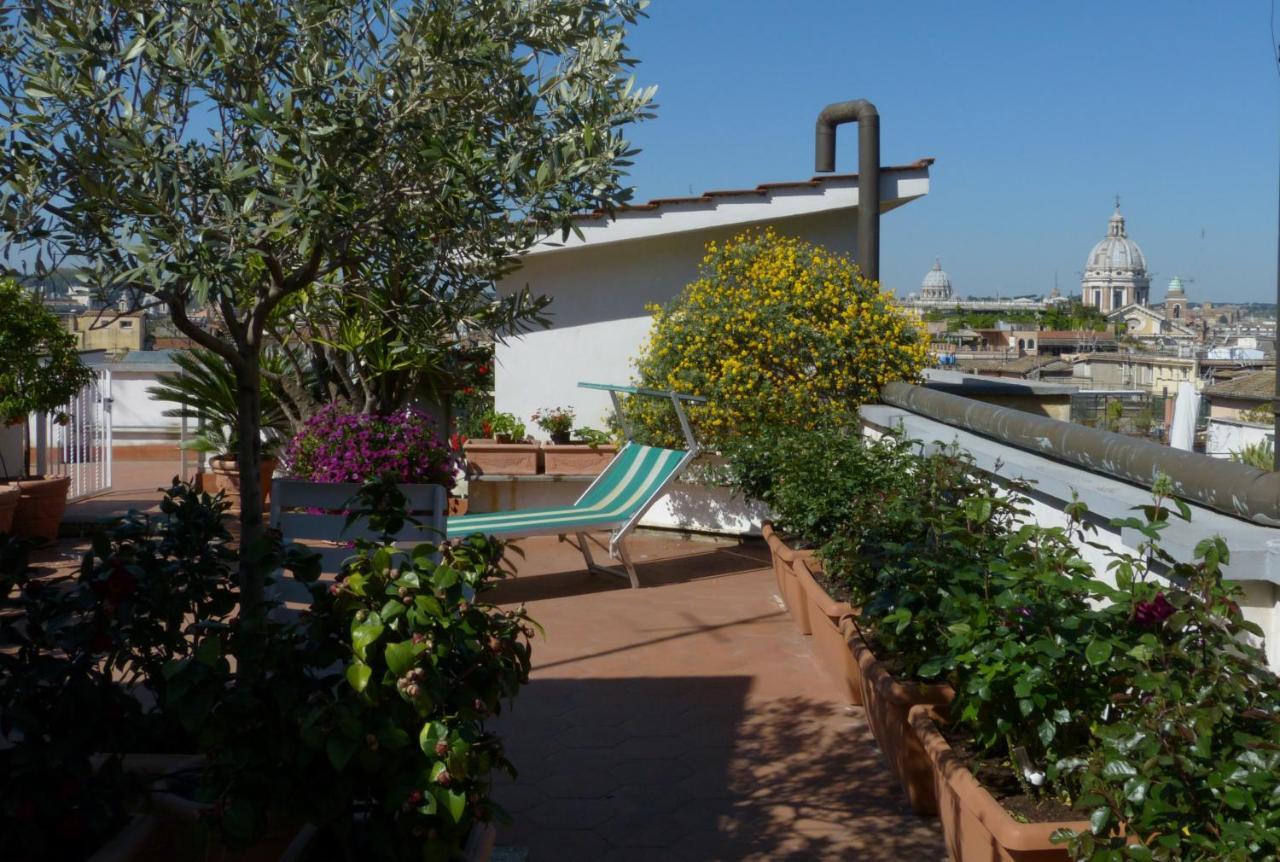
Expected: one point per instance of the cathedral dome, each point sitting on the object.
(1175, 288)
(1115, 273)
(936, 285)
(1116, 253)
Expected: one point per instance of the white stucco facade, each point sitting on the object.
(600, 284)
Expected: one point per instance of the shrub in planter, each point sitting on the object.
(775, 331)
(370, 715)
(1188, 766)
(40, 370)
(338, 444)
(81, 653)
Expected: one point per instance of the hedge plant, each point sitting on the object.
(774, 331)
(40, 367)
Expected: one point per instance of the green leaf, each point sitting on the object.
(358, 674)
(1098, 819)
(209, 651)
(431, 733)
(457, 803)
(1098, 651)
(340, 749)
(393, 738)
(365, 634)
(139, 44)
(402, 655)
(1118, 769)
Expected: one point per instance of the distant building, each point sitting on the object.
(936, 286)
(1175, 301)
(1147, 323)
(1115, 274)
(115, 333)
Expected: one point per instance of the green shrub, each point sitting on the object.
(775, 331)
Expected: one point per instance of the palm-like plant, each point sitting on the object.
(205, 390)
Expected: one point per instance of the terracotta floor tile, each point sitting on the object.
(688, 720)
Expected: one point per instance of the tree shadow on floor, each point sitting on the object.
(695, 768)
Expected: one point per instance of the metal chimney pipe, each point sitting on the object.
(867, 117)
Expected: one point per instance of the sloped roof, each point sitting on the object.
(1254, 386)
(726, 207)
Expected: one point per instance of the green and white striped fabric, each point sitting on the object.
(627, 484)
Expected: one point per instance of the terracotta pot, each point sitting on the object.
(887, 703)
(41, 505)
(976, 827)
(576, 460)
(830, 641)
(9, 495)
(225, 477)
(785, 568)
(501, 459)
(458, 506)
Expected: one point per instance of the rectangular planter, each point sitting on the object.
(976, 827)
(560, 459)
(887, 703)
(486, 457)
(826, 621)
(785, 566)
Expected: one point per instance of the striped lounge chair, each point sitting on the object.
(617, 499)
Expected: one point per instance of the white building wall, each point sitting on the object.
(1225, 436)
(137, 418)
(598, 312)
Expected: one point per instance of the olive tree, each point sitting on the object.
(226, 155)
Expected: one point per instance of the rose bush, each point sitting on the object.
(340, 445)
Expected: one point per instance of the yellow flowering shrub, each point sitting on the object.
(775, 330)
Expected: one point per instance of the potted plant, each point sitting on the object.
(372, 711)
(339, 444)
(205, 391)
(591, 453)
(505, 452)
(556, 421)
(40, 371)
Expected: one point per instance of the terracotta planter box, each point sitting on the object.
(785, 568)
(976, 827)
(887, 703)
(8, 504)
(501, 459)
(223, 475)
(576, 460)
(458, 506)
(827, 618)
(41, 505)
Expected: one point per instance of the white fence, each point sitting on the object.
(75, 440)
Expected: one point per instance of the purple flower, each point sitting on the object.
(338, 445)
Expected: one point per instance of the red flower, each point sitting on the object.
(482, 369)
(1153, 612)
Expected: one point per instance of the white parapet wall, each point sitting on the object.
(1255, 549)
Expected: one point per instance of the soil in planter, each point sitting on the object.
(997, 777)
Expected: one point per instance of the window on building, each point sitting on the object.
(126, 324)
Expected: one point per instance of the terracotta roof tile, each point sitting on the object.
(1255, 386)
(759, 191)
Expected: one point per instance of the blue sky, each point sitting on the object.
(1038, 114)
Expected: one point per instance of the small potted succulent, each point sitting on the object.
(556, 421)
(40, 370)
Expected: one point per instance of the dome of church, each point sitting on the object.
(1116, 252)
(936, 284)
(1115, 273)
(1175, 288)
